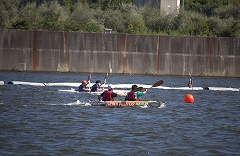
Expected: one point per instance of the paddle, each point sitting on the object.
(137, 89)
(190, 84)
(105, 80)
(88, 82)
(157, 83)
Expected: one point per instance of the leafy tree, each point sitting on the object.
(191, 23)
(136, 26)
(228, 12)
(8, 12)
(84, 16)
(69, 4)
(47, 16)
(207, 6)
(156, 21)
(199, 17)
(28, 18)
(229, 21)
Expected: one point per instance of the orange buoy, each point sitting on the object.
(188, 98)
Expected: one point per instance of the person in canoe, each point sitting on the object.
(108, 95)
(96, 86)
(83, 86)
(134, 95)
(190, 83)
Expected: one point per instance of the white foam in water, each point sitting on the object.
(88, 103)
(78, 102)
(223, 89)
(162, 105)
(145, 106)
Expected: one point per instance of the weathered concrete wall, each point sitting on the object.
(119, 53)
(170, 6)
(167, 6)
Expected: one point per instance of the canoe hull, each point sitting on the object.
(123, 103)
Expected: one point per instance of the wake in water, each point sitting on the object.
(161, 105)
(78, 102)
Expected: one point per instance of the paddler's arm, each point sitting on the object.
(145, 91)
(100, 97)
(121, 94)
(85, 89)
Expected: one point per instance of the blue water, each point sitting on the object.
(40, 120)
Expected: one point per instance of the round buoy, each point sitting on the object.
(188, 98)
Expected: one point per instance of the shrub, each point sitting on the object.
(8, 12)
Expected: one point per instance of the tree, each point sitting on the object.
(8, 12)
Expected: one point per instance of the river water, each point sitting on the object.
(41, 120)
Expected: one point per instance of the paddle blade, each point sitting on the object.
(88, 81)
(105, 79)
(137, 89)
(106, 75)
(157, 83)
(89, 77)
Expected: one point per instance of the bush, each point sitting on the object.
(8, 12)
(200, 17)
(227, 12)
(47, 16)
(191, 23)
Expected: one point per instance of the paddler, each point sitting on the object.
(190, 83)
(108, 95)
(134, 96)
(83, 86)
(96, 86)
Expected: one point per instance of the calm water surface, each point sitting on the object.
(41, 120)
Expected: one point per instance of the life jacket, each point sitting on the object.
(107, 96)
(131, 96)
(81, 87)
(95, 87)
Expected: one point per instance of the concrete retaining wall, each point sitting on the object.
(119, 53)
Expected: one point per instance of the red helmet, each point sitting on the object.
(84, 82)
